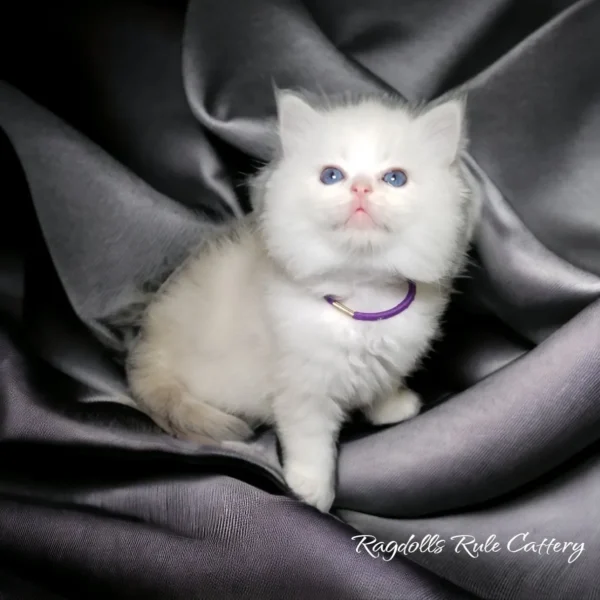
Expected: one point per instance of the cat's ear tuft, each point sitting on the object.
(443, 127)
(294, 117)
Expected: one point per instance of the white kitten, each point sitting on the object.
(362, 197)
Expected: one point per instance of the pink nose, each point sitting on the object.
(361, 188)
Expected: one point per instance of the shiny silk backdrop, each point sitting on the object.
(126, 130)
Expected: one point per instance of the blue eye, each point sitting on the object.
(395, 178)
(331, 175)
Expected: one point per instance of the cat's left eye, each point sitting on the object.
(395, 178)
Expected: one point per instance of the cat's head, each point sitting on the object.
(366, 182)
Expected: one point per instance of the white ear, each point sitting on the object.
(443, 129)
(295, 117)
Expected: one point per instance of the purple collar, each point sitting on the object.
(378, 316)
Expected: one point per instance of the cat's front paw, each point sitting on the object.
(403, 404)
(312, 485)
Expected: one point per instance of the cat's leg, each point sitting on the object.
(308, 429)
(400, 405)
(182, 414)
(188, 418)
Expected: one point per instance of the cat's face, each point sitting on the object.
(368, 177)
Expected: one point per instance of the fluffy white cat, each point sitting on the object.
(363, 198)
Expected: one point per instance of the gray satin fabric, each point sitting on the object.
(509, 441)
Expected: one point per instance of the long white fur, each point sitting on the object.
(241, 334)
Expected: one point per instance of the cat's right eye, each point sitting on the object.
(331, 175)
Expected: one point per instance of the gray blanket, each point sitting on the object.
(125, 137)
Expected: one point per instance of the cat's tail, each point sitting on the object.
(171, 406)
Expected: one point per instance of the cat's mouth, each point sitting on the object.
(360, 219)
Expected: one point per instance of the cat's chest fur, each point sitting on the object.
(365, 355)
